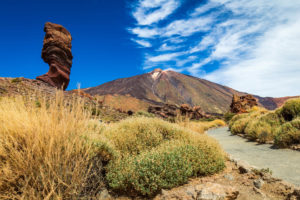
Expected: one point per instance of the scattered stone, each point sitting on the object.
(229, 177)
(258, 183)
(104, 195)
(240, 104)
(258, 191)
(57, 53)
(243, 167)
(214, 191)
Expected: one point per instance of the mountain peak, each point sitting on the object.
(155, 74)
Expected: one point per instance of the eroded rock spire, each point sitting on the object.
(57, 53)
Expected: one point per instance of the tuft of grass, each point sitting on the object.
(291, 109)
(155, 154)
(281, 126)
(201, 126)
(16, 80)
(42, 151)
(287, 135)
(142, 113)
(259, 130)
(228, 116)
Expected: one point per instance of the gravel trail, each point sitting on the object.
(284, 163)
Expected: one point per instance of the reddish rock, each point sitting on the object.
(193, 112)
(165, 111)
(240, 104)
(168, 110)
(57, 53)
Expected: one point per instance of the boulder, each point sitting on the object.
(57, 53)
(169, 110)
(164, 111)
(240, 104)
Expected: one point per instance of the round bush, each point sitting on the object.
(167, 166)
(291, 109)
(155, 155)
(240, 125)
(286, 135)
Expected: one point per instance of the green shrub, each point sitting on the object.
(142, 113)
(167, 166)
(155, 155)
(228, 116)
(236, 118)
(260, 130)
(135, 135)
(296, 123)
(16, 80)
(239, 125)
(286, 135)
(291, 109)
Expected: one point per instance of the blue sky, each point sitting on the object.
(249, 45)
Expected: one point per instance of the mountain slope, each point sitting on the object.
(171, 87)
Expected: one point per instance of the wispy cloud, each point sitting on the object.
(151, 11)
(143, 43)
(164, 57)
(250, 45)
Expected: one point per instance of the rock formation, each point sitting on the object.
(165, 111)
(57, 53)
(240, 104)
(193, 112)
(168, 110)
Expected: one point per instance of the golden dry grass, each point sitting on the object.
(54, 149)
(201, 127)
(42, 151)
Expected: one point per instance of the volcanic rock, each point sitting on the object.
(57, 53)
(240, 104)
(193, 112)
(165, 111)
(169, 110)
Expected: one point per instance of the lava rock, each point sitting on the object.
(240, 104)
(57, 53)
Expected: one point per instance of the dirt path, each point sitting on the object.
(284, 163)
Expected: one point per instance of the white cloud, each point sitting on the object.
(166, 47)
(188, 27)
(164, 57)
(152, 11)
(143, 43)
(273, 66)
(181, 62)
(144, 32)
(204, 8)
(203, 45)
(255, 44)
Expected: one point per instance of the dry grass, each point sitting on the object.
(42, 151)
(201, 127)
(54, 149)
(281, 126)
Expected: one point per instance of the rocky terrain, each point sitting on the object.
(238, 181)
(38, 90)
(168, 87)
(185, 110)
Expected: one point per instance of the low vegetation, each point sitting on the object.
(201, 126)
(42, 153)
(59, 150)
(155, 154)
(281, 126)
